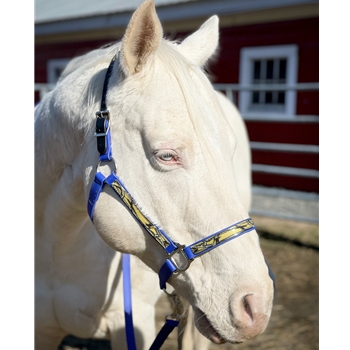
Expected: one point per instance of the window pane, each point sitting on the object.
(58, 72)
(281, 97)
(269, 69)
(256, 70)
(283, 69)
(255, 97)
(268, 97)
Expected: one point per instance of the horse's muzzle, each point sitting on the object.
(248, 314)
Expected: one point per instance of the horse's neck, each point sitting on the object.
(57, 136)
(61, 120)
(60, 205)
(59, 191)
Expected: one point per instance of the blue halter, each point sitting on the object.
(186, 253)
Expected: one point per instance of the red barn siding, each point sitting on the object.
(287, 159)
(296, 183)
(308, 102)
(290, 133)
(283, 132)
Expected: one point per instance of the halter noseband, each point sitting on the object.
(188, 253)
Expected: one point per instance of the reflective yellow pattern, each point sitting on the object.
(221, 237)
(144, 221)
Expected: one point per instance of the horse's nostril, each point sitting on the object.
(248, 315)
(247, 307)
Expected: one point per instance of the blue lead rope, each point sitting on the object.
(129, 328)
(163, 334)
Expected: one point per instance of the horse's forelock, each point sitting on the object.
(206, 122)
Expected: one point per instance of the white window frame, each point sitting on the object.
(52, 66)
(247, 56)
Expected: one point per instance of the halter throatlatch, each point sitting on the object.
(188, 253)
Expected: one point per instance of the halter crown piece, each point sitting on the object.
(188, 253)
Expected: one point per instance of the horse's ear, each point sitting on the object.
(202, 44)
(142, 38)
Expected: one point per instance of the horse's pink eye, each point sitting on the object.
(165, 156)
(168, 157)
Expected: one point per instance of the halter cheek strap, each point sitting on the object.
(103, 135)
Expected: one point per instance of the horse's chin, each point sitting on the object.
(206, 328)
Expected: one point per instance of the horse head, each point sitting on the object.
(173, 150)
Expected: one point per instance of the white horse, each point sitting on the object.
(187, 166)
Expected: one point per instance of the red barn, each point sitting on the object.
(268, 64)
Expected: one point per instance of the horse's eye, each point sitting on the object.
(167, 157)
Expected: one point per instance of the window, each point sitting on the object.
(268, 65)
(54, 69)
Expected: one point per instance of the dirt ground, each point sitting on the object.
(291, 248)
